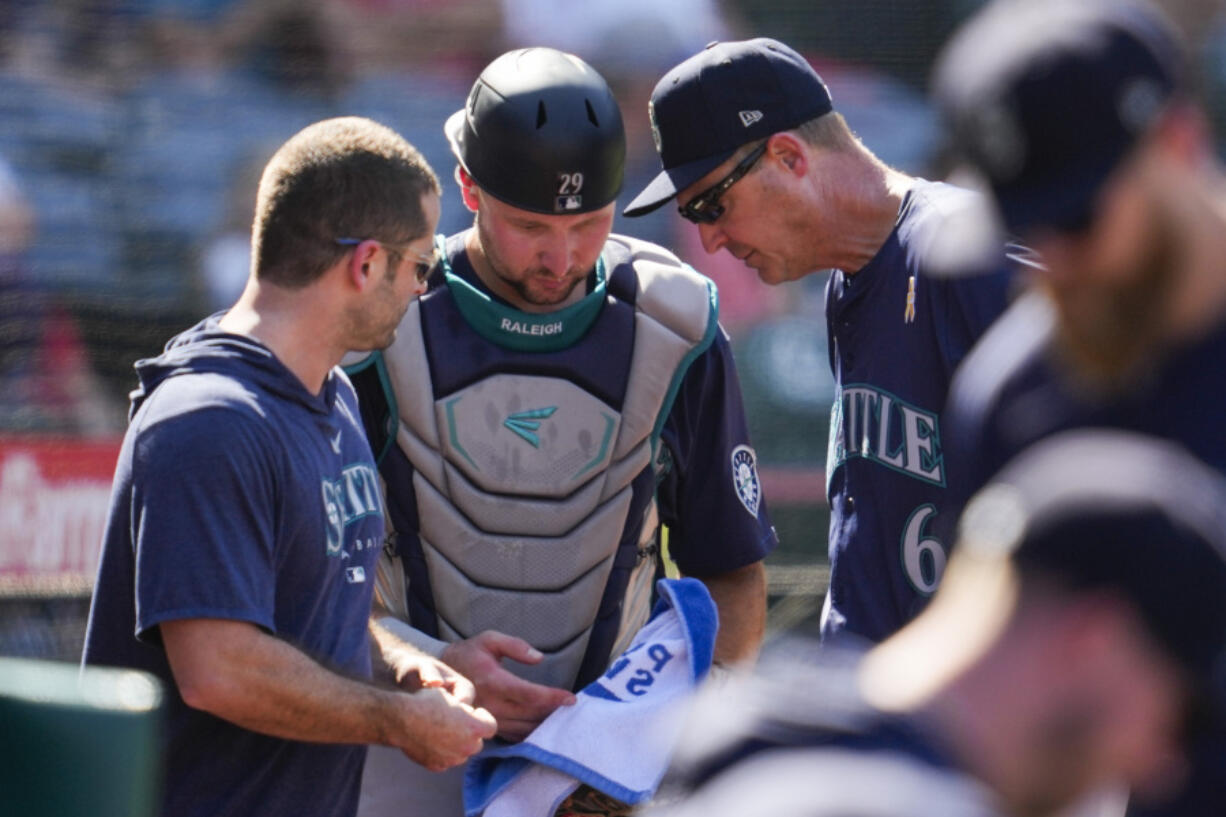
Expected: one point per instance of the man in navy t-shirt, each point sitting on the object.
(1078, 118)
(246, 516)
(1049, 664)
(755, 154)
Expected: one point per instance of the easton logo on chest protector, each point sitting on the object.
(527, 423)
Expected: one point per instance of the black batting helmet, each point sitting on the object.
(541, 131)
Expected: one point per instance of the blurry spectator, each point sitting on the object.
(452, 37)
(296, 47)
(225, 258)
(171, 41)
(289, 44)
(619, 36)
(80, 41)
(16, 220)
(45, 379)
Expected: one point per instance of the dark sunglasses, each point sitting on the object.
(425, 263)
(705, 207)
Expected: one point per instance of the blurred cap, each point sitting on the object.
(725, 96)
(1116, 511)
(1044, 98)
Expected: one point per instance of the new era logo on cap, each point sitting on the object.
(723, 97)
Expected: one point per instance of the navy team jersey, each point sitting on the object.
(239, 495)
(896, 335)
(796, 738)
(1013, 391)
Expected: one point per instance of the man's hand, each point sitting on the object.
(518, 705)
(236, 671)
(438, 731)
(413, 671)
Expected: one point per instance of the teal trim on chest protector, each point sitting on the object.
(527, 331)
(393, 418)
(675, 386)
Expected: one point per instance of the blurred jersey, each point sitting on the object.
(1014, 390)
(797, 740)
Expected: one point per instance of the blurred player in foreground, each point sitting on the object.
(556, 395)
(245, 521)
(758, 158)
(1076, 642)
(1079, 120)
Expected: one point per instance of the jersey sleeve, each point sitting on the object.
(711, 498)
(203, 520)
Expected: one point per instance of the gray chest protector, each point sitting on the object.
(531, 440)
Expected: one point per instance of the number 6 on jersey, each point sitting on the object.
(923, 558)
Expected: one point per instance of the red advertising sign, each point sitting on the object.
(54, 494)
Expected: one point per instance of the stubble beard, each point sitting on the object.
(1109, 342)
(378, 331)
(520, 285)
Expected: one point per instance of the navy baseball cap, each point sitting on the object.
(1115, 511)
(1044, 98)
(725, 96)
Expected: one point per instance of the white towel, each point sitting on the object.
(620, 734)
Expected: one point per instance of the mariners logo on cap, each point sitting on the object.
(745, 478)
(655, 127)
(1139, 102)
(1001, 140)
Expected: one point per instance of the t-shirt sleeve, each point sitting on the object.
(711, 498)
(203, 520)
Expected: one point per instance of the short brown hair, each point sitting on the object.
(829, 131)
(345, 177)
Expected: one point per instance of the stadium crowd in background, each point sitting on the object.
(246, 517)
(121, 122)
(756, 155)
(589, 396)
